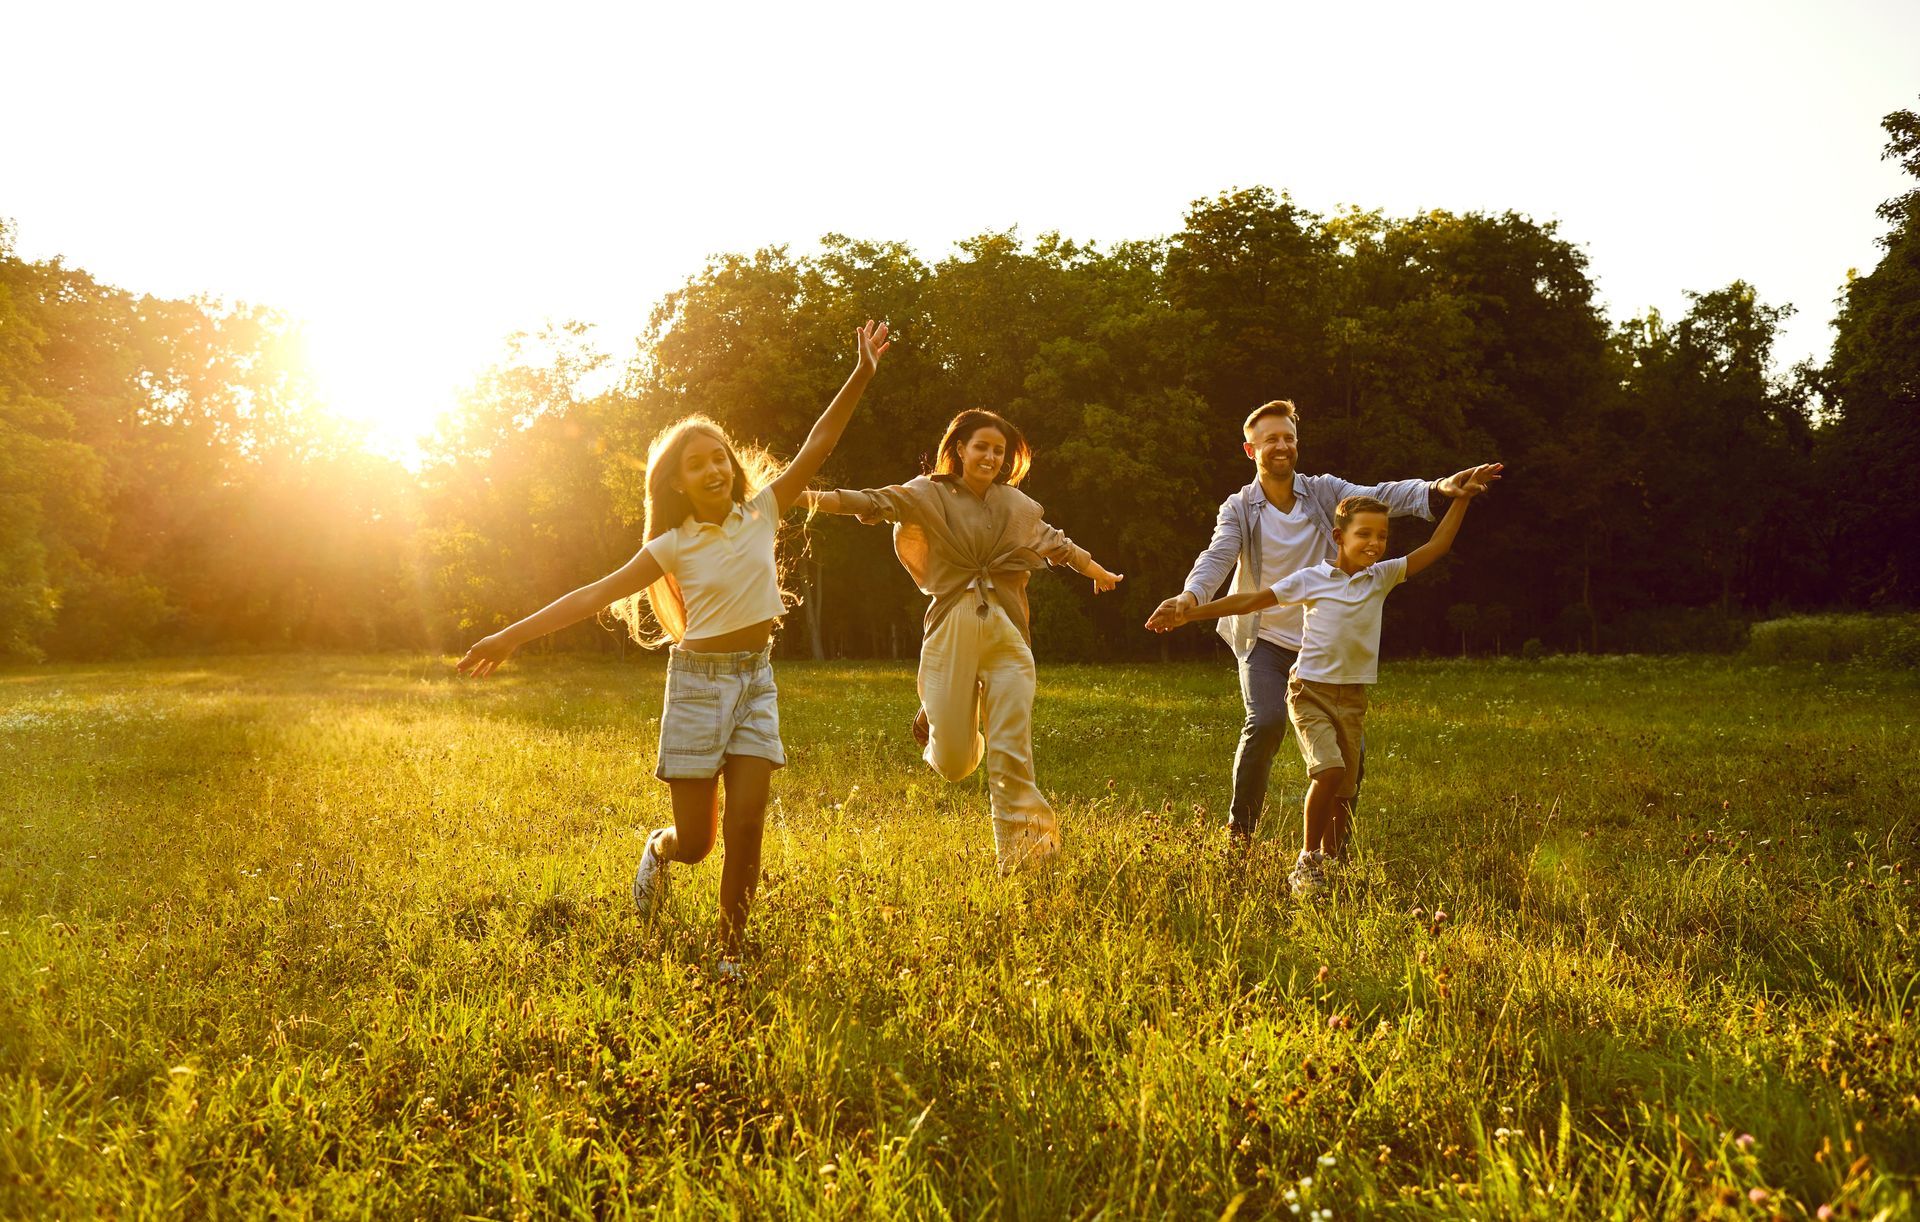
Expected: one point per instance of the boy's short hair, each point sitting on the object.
(1277, 407)
(1352, 506)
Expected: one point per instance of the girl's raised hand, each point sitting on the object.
(870, 343)
(1103, 580)
(485, 657)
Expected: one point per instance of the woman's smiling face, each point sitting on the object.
(982, 456)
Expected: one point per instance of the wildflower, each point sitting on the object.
(1327, 1160)
(1338, 1022)
(1824, 1213)
(1745, 1141)
(1757, 1195)
(1321, 975)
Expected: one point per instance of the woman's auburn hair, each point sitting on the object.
(667, 507)
(961, 430)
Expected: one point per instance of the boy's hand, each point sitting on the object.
(1102, 579)
(1167, 616)
(485, 657)
(1171, 613)
(1471, 482)
(870, 343)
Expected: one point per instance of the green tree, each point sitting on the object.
(1871, 453)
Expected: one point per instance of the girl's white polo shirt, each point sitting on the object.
(725, 570)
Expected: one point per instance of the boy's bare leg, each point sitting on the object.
(1322, 802)
(1334, 843)
(748, 780)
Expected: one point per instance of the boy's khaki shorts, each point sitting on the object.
(1330, 720)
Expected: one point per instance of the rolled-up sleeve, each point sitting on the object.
(1404, 498)
(1053, 546)
(1223, 552)
(894, 503)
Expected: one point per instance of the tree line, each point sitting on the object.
(169, 480)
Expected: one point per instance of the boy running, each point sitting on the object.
(1339, 659)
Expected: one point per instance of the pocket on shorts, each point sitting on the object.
(690, 724)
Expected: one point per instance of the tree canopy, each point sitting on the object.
(169, 479)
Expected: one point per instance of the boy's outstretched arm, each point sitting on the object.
(871, 344)
(1170, 614)
(1442, 541)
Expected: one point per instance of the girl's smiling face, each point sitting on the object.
(982, 456)
(706, 475)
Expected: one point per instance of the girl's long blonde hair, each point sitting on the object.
(667, 508)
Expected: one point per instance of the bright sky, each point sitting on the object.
(416, 182)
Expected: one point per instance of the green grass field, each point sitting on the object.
(347, 936)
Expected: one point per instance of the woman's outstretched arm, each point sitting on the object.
(870, 344)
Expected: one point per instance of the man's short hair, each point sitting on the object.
(1352, 506)
(1283, 408)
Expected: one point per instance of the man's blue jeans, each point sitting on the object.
(1263, 687)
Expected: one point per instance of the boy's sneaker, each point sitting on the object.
(1307, 876)
(729, 972)
(921, 731)
(650, 880)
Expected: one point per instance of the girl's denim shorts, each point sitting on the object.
(718, 704)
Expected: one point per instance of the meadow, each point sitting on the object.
(347, 936)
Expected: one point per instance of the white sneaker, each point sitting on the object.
(1307, 877)
(729, 972)
(650, 880)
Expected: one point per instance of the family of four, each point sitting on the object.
(1303, 619)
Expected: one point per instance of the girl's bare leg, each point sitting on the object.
(748, 780)
(696, 820)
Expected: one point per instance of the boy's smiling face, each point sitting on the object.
(1362, 543)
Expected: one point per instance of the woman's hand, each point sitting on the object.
(870, 344)
(485, 657)
(1103, 580)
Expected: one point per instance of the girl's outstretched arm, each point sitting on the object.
(871, 344)
(487, 654)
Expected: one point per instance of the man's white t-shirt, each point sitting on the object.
(1289, 541)
(1341, 637)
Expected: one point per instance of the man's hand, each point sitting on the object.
(1171, 613)
(485, 657)
(1471, 482)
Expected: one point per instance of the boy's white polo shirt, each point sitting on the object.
(1340, 640)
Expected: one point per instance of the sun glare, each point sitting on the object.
(395, 381)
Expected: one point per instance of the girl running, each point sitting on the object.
(968, 536)
(708, 572)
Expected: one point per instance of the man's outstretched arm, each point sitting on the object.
(1213, 564)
